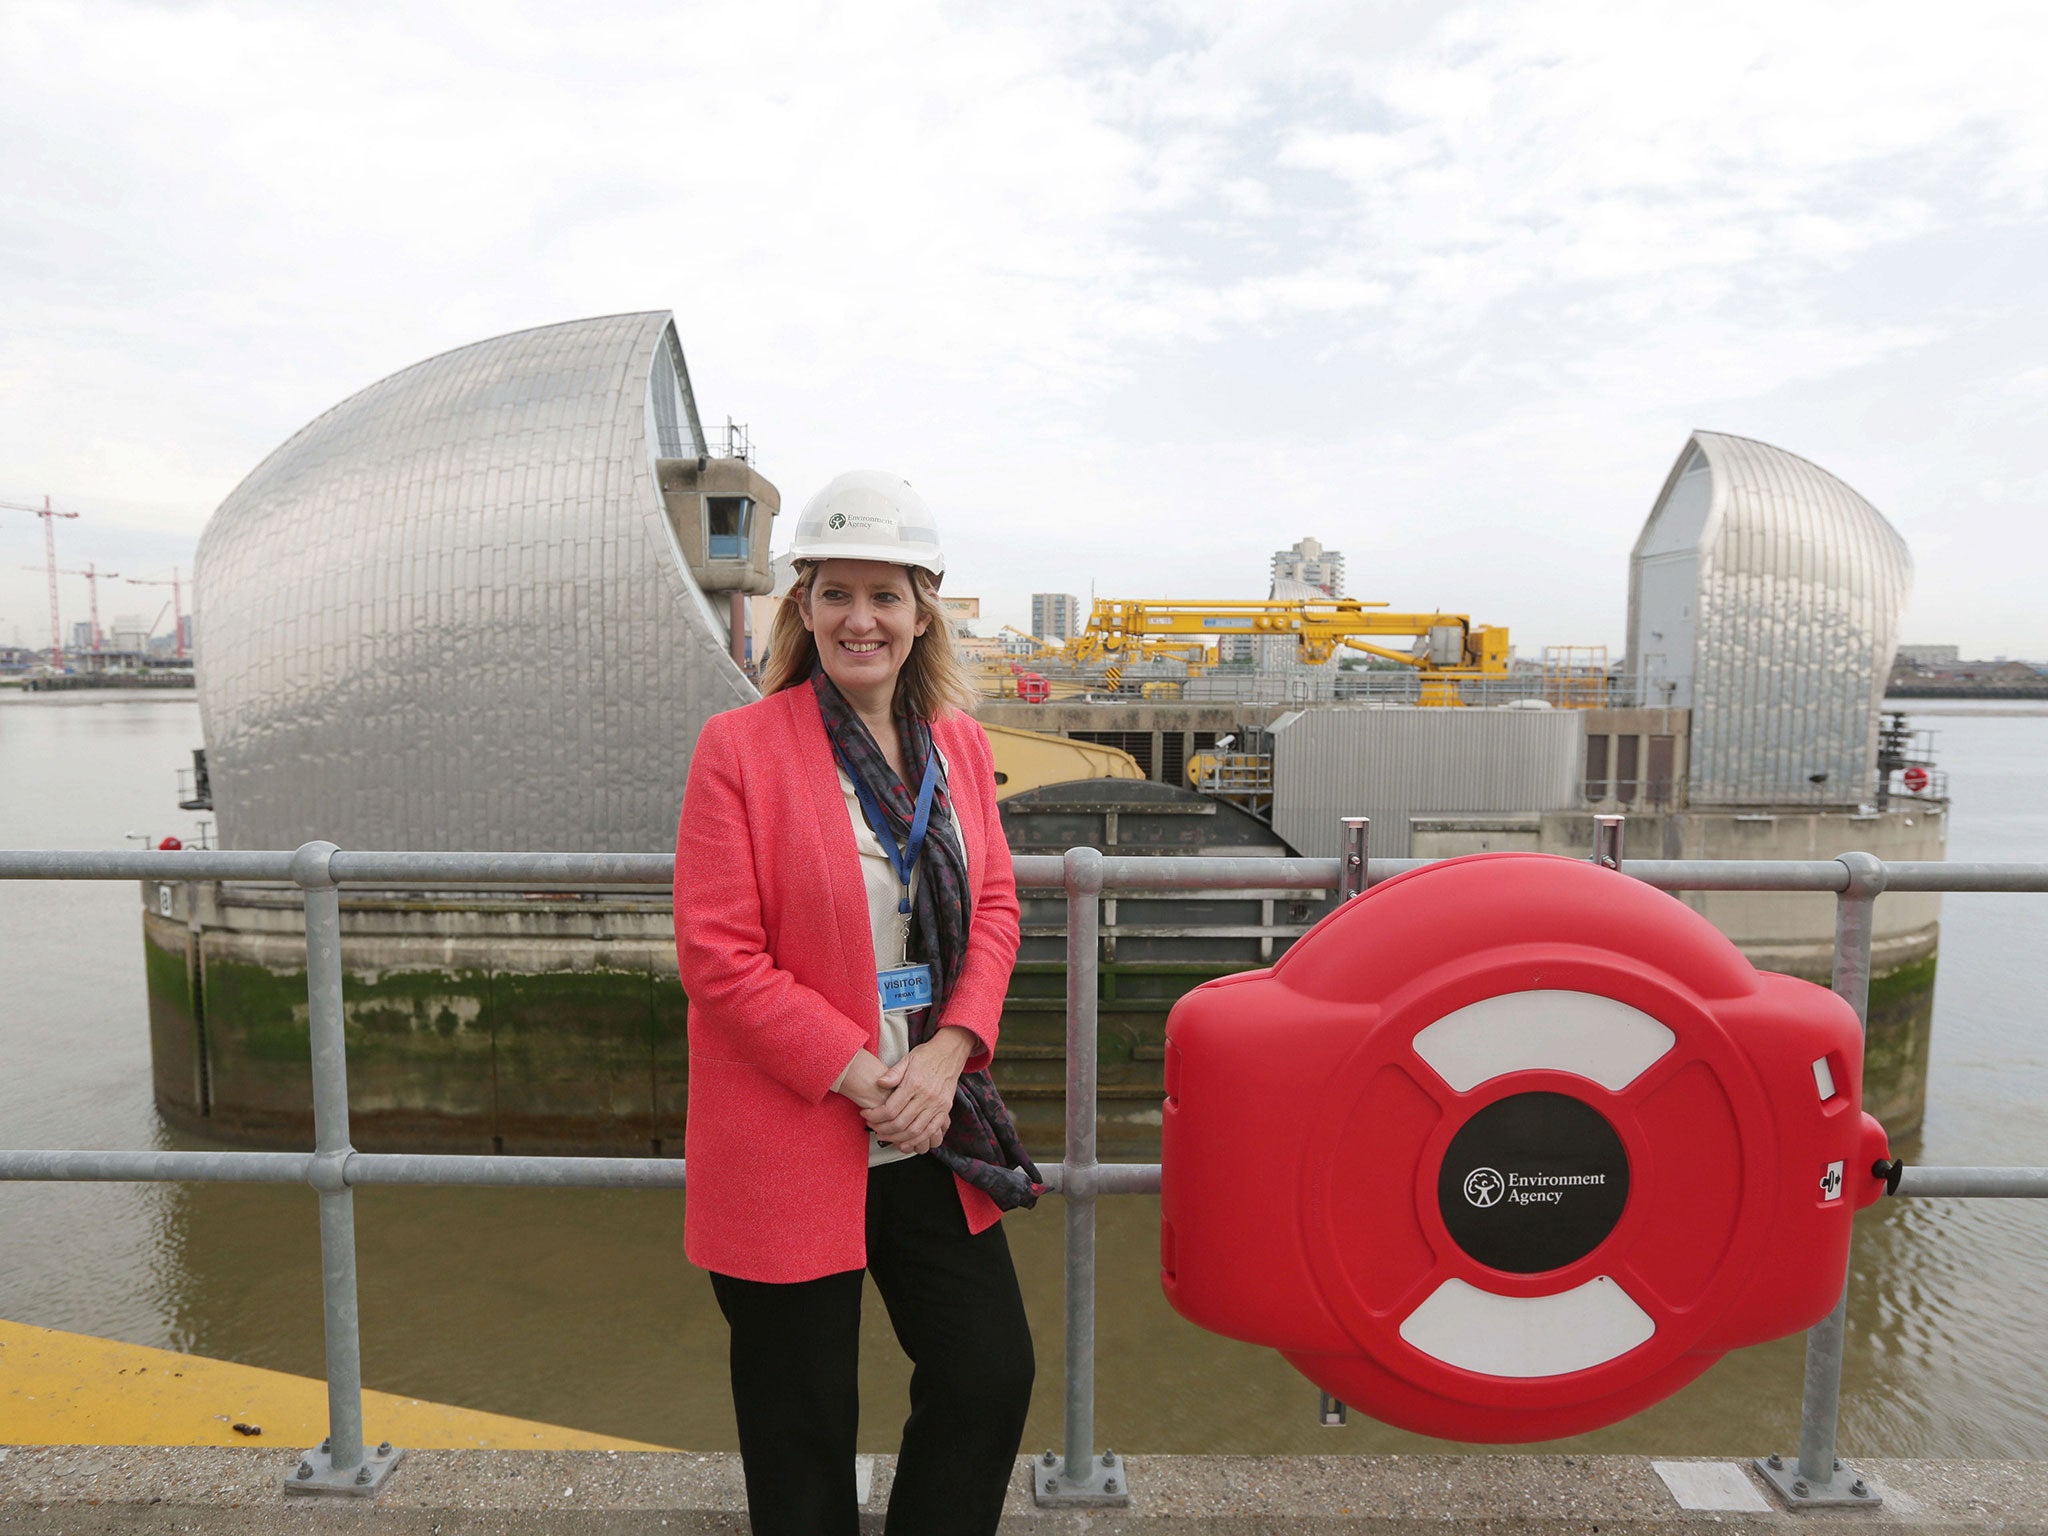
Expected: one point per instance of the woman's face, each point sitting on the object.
(864, 616)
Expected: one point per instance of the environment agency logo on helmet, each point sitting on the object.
(866, 514)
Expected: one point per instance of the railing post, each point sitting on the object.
(1819, 1477)
(1357, 845)
(1080, 1476)
(1356, 875)
(339, 1464)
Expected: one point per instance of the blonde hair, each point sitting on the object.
(932, 680)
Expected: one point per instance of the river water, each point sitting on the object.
(577, 1306)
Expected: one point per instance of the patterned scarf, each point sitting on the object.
(981, 1146)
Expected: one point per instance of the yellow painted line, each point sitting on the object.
(73, 1389)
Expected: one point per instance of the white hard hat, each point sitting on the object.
(865, 514)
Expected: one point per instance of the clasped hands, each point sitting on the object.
(910, 1105)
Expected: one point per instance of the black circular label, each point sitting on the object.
(1535, 1181)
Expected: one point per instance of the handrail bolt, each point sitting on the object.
(1607, 838)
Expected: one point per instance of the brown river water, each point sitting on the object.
(578, 1307)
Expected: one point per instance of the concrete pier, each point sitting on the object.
(211, 1491)
(501, 1022)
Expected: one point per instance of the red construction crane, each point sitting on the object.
(93, 576)
(49, 517)
(175, 581)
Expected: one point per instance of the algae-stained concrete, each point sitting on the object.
(547, 1023)
(1899, 1043)
(176, 1040)
(536, 1025)
(85, 1491)
(1133, 999)
(574, 1047)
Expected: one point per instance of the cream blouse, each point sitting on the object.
(879, 875)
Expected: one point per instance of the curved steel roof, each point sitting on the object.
(450, 612)
(1777, 592)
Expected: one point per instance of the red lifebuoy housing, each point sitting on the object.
(1511, 1147)
(1033, 688)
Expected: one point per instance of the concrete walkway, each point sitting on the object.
(203, 1490)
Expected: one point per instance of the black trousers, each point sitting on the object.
(954, 1303)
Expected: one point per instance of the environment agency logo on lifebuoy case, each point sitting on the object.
(1484, 1187)
(1533, 1182)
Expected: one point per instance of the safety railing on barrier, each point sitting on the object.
(344, 1464)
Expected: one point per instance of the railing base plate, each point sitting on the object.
(1843, 1489)
(1102, 1484)
(315, 1473)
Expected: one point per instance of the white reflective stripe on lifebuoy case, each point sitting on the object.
(1579, 1032)
(1524, 1336)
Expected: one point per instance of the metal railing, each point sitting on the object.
(344, 1464)
(1242, 778)
(730, 441)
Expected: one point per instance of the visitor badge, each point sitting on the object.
(906, 986)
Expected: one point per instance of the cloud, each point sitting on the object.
(1114, 280)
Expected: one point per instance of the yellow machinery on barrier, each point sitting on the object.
(1031, 759)
(1447, 648)
(1039, 648)
(1082, 650)
(997, 678)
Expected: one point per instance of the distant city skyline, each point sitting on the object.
(26, 623)
(147, 552)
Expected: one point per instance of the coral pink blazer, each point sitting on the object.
(773, 938)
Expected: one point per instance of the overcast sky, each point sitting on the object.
(1136, 294)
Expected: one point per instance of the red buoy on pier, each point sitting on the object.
(1511, 1147)
(1915, 778)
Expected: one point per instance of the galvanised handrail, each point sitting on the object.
(335, 1168)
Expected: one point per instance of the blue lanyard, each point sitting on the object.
(903, 861)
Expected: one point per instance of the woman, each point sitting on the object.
(846, 921)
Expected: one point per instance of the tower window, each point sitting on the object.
(726, 524)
